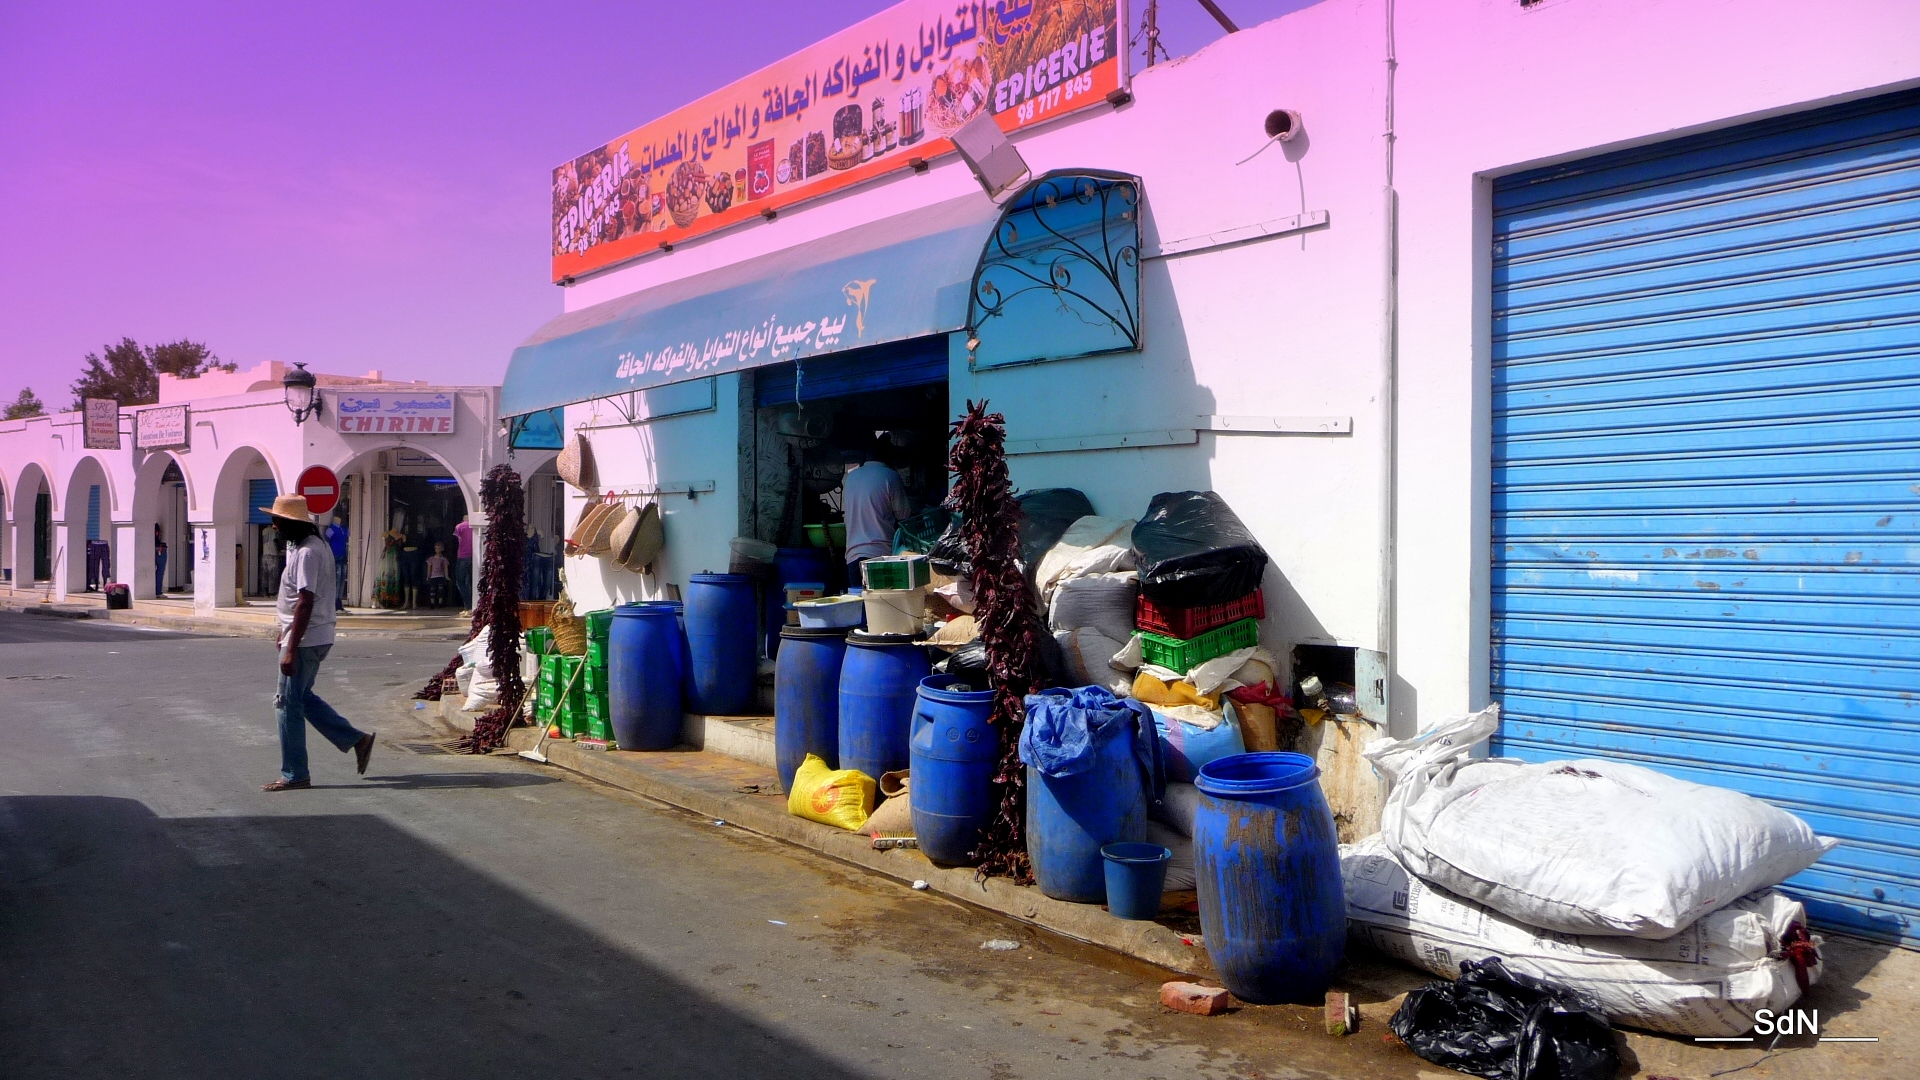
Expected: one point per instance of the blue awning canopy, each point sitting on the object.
(900, 277)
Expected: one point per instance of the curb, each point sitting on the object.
(1149, 942)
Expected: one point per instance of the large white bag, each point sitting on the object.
(1581, 847)
(1103, 602)
(1708, 980)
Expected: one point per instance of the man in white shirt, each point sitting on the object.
(307, 617)
(873, 499)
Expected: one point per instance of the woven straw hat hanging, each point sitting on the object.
(600, 538)
(649, 539)
(577, 539)
(620, 545)
(575, 464)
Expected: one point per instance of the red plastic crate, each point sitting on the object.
(1194, 621)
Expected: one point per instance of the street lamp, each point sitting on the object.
(302, 402)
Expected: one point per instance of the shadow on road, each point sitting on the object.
(324, 946)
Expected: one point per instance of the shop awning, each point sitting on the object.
(896, 278)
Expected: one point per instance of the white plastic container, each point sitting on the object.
(830, 612)
(896, 611)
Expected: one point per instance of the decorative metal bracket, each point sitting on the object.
(1073, 235)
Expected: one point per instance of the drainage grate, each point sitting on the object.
(444, 746)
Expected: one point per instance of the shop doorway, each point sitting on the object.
(421, 513)
(43, 536)
(814, 417)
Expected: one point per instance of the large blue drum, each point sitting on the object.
(1070, 818)
(878, 682)
(806, 699)
(721, 653)
(1267, 863)
(644, 658)
(954, 752)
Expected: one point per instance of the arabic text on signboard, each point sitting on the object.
(103, 424)
(401, 413)
(874, 98)
(164, 428)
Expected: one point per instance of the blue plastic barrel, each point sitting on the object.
(721, 653)
(1267, 864)
(806, 699)
(791, 565)
(954, 753)
(643, 676)
(878, 681)
(1070, 818)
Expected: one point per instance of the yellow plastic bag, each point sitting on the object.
(839, 797)
(1180, 692)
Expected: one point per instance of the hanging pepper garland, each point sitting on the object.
(502, 499)
(1004, 607)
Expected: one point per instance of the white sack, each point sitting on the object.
(475, 652)
(482, 693)
(1081, 537)
(1708, 980)
(1086, 652)
(1177, 807)
(1580, 847)
(1179, 868)
(1103, 602)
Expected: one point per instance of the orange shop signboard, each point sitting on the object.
(872, 99)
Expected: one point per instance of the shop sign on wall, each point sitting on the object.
(393, 413)
(103, 424)
(164, 428)
(882, 95)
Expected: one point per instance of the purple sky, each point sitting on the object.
(355, 185)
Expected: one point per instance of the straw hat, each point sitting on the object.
(620, 544)
(649, 538)
(575, 465)
(291, 507)
(600, 533)
(578, 538)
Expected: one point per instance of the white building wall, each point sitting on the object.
(1297, 326)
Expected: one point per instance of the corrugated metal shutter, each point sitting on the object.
(260, 493)
(915, 362)
(93, 512)
(1706, 477)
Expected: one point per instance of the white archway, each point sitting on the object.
(367, 479)
(82, 508)
(230, 562)
(34, 544)
(160, 501)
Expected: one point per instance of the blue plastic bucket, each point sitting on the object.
(1070, 818)
(721, 653)
(806, 699)
(1136, 876)
(643, 676)
(1267, 863)
(953, 752)
(878, 684)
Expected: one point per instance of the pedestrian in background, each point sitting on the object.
(463, 564)
(306, 618)
(159, 562)
(337, 540)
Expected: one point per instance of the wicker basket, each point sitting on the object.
(569, 630)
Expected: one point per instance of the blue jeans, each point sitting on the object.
(297, 706)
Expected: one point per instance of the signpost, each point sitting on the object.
(164, 428)
(321, 488)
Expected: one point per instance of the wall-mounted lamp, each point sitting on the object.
(302, 400)
(994, 161)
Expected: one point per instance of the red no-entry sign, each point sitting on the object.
(321, 488)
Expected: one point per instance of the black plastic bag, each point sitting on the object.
(1491, 1022)
(969, 665)
(949, 553)
(1045, 516)
(1193, 551)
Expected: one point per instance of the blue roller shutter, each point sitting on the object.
(1706, 477)
(260, 493)
(895, 366)
(93, 513)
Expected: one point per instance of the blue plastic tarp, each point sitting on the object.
(1065, 729)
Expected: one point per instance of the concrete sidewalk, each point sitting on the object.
(1870, 990)
(255, 620)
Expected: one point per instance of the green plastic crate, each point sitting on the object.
(594, 679)
(540, 641)
(1185, 655)
(596, 652)
(897, 572)
(599, 625)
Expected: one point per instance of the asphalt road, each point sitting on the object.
(449, 916)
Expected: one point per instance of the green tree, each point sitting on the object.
(130, 372)
(24, 406)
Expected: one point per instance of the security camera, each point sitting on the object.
(1282, 124)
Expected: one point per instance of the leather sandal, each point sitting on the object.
(284, 784)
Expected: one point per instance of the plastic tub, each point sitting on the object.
(879, 683)
(953, 752)
(754, 558)
(830, 612)
(721, 654)
(895, 611)
(1136, 876)
(1267, 866)
(806, 699)
(837, 534)
(816, 535)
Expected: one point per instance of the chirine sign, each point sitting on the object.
(393, 413)
(883, 95)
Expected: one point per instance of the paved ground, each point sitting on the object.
(460, 917)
